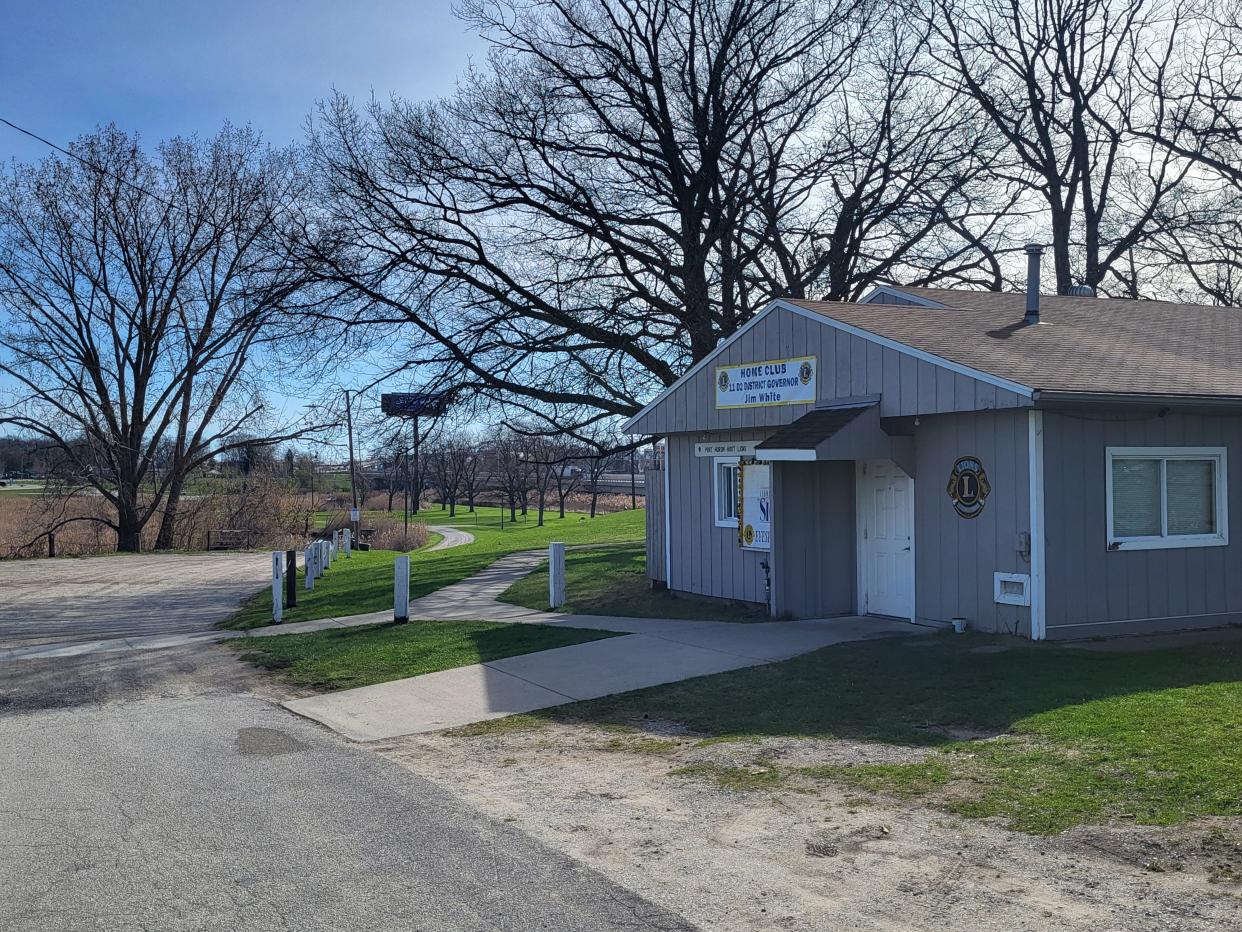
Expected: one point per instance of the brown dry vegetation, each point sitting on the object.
(265, 509)
(390, 533)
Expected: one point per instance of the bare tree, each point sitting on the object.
(1058, 80)
(139, 296)
(512, 473)
(565, 475)
(449, 459)
(626, 183)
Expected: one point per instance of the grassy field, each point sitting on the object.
(613, 581)
(342, 658)
(1041, 737)
(364, 582)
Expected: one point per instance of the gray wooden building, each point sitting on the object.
(1054, 467)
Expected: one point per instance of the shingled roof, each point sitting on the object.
(1083, 345)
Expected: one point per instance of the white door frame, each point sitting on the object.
(860, 560)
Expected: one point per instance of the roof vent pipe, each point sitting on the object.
(1033, 252)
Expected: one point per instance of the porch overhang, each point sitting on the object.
(840, 432)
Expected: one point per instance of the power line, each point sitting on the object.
(110, 174)
(87, 162)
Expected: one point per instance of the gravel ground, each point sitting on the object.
(818, 857)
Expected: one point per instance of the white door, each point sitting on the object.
(886, 540)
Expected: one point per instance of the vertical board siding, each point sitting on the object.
(1087, 583)
(814, 538)
(849, 366)
(706, 559)
(956, 557)
(653, 484)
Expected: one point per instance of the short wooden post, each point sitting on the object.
(348, 537)
(278, 586)
(51, 543)
(291, 578)
(308, 560)
(401, 589)
(556, 575)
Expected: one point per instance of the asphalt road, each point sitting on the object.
(163, 790)
(77, 600)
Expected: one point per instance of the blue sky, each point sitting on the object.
(166, 68)
(176, 68)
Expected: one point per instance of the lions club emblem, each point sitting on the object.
(968, 487)
(722, 380)
(805, 372)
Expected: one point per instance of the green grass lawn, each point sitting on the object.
(342, 658)
(613, 581)
(1057, 736)
(364, 582)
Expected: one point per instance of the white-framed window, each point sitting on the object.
(1161, 497)
(725, 470)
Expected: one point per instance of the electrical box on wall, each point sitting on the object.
(1012, 588)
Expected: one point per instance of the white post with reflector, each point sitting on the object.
(401, 589)
(278, 585)
(556, 575)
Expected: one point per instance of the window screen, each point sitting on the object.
(1160, 496)
(1136, 498)
(726, 492)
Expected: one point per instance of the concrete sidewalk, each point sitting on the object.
(653, 652)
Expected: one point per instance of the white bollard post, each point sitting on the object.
(278, 585)
(556, 575)
(401, 589)
(308, 566)
(349, 543)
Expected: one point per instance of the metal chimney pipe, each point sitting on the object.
(1033, 252)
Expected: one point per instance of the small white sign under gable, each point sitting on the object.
(771, 382)
(755, 521)
(726, 448)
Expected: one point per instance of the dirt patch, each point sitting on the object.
(794, 854)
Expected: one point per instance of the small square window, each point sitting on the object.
(1160, 497)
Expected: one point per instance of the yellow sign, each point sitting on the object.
(771, 382)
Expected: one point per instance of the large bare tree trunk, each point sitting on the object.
(166, 538)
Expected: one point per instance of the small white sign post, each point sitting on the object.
(401, 589)
(556, 575)
(349, 543)
(308, 565)
(278, 585)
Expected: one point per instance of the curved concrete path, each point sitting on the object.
(653, 651)
(453, 537)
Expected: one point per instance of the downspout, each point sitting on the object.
(668, 520)
(1035, 449)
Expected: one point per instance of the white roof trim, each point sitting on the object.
(986, 377)
(1016, 387)
(888, 291)
(785, 455)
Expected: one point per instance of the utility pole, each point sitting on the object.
(418, 476)
(353, 485)
(633, 482)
